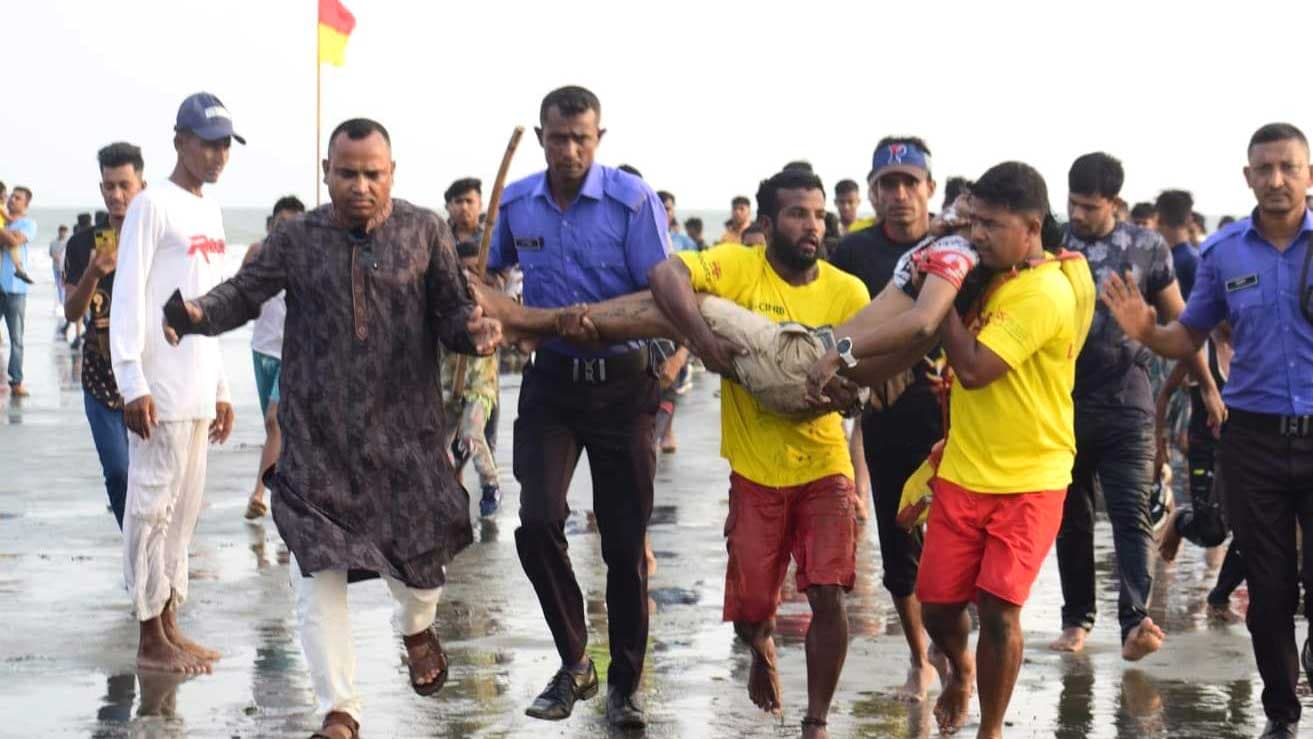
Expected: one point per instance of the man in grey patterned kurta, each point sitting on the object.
(363, 486)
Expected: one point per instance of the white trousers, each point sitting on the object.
(166, 480)
(321, 612)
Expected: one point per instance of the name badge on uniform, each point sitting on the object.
(1240, 283)
(528, 244)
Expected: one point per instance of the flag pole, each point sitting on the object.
(485, 242)
(318, 66)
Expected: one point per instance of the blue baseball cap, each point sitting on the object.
(204, 115)
(904, 157)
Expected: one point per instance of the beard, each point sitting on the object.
(791, 255)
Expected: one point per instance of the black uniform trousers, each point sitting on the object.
(1268, 483)
(612, 420)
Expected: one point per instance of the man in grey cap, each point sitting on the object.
(175, 399)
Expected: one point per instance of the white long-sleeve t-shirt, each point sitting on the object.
(171, 240)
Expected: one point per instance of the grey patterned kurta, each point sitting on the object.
(363, 482)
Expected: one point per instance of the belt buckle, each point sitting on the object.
(1296, 426)
(590, 371)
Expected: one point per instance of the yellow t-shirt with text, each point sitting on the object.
(765, 448)
(1015, 434)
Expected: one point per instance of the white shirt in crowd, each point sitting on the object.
(171, 240)
(267, 332)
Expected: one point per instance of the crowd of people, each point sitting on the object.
(984, 370)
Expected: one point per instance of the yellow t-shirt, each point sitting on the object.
(1015, 434)
(765, 448)
(861, 224)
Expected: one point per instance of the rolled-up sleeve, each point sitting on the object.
(1206, 306)
(647, 243)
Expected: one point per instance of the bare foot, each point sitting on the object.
(1143, 641)
(669, 445)
(256, 507)
(764, 679)
(917, 687)
(1071, 640)
(954, 704)
(161, 656)
(1224, 614)
(1170, 543)
(187, 645)
(814, 732)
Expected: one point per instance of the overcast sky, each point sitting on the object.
(705, 97)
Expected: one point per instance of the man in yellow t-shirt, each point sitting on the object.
(791, 488)
(1000, 487)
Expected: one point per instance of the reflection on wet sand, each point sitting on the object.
(61, 554)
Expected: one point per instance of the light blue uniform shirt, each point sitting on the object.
(599, 247)
(1243, 279)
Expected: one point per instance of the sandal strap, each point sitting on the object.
(337, 718)
(423, 646)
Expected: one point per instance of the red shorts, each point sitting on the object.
(814, 523)
(985, 541)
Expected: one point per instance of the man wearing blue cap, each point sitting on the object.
(175, 399)
(903, 421)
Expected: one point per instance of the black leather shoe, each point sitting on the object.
(1280, 730)
(623, 711)
(557, 700)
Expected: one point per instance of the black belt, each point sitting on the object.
(1299, 427)
(591, 370)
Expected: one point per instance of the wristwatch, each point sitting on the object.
(845, 349)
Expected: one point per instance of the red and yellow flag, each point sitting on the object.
(335, 24)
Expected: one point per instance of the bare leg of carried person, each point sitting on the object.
(636, 316)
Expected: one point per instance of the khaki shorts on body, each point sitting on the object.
(779, 354)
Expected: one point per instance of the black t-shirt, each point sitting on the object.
(1112, 370)
(870, 256)
(97, 371)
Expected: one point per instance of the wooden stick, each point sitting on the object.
(489, 223)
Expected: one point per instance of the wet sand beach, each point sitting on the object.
(68, 641)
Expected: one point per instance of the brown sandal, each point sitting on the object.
(421, 648)
(255, 509)
(338, 718)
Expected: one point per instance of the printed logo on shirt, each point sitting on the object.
(206, 246)
(529, 244)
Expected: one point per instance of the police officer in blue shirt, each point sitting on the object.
(582, 232)
(1255, 274)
